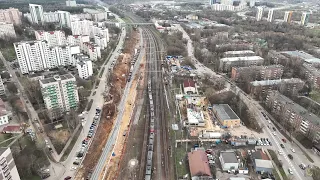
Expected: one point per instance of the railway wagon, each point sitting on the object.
(152, 126)
(150, 147)
(151, 141)
(152, 119)
(151, 135)
(148, 170)
(149, 158)
(151, 130)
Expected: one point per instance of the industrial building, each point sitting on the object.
(199, 165)
(226, 115)
(59, 93)
(289, 112)
(287, 86)
(261, 162)
(189, 86)
(257, 72)
(229, 161)
(227, 63)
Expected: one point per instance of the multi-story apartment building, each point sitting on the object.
(36, 56)
(60, 93)
(8, 169)
(288, 16)
(312, 74)
(10, 15)
(92, 50)
(270, 15)
(102, 32)
(259, 13)
(305, 18)
(7, 30)
(96, 15)
(71, 3)
(64, 18)
(101, 41)
(84, 66)
(227, 63)
(257, 72)
(2, 89)
(286, 86)
(53, 38)
(50, 17)
(36, 12)
(78, 40)
(82, 27)
(238, 53)
(291, 113)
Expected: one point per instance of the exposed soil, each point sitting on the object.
(117, 83)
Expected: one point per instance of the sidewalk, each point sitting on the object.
(274, 165)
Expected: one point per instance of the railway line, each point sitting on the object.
(157, 160)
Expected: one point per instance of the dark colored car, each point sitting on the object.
(290, 156)
(67, 178)
(282, 145)
(274, 128)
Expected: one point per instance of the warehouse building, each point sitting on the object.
(199, 165)
(261, 162)
(226, 115)
(229, 161)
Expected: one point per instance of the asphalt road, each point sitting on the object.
(98, 101)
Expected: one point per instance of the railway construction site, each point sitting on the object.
(118, 78)
(145, 156)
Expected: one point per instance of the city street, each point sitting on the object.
(98, 101)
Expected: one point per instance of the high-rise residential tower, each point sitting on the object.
(36, 12)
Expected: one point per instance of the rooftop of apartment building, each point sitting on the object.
(276, 81)
(302, 55)
(311, 68)
(244, 58)
(56, 78)
(238, 52)
(258, 67)
(29, 42)
(225, 112)
(307, 115)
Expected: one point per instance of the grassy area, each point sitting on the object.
(275, 173)
(72, 143)
(278, 163)
(315, 95)
(9, 53)
(181, 163)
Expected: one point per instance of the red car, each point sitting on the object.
(67, 178)
(284, 140)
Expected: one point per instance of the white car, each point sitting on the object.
(47, 142)
(274, 133)
(269, 122)
(73, 168)
(293, 150)
(280, 152)
(290, 171)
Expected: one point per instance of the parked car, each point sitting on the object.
(67, 178)
(290, 156)
(284, 140)
(274, 128)
(290, 171)
(282, 145)
(293, 150)
(302, 166)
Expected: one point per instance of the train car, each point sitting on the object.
(150, 147)
(148, 170)
(151, 135)
(149, 158)
(152, 119)
(150, 141)
(150, 96)
(151, 126)
(151, 130)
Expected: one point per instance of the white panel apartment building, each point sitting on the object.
(84, 66)
(60, 92)
(8, 170)
(82, 27)
(36, 12)
(54, 38)
(2, 89)
(64, 18)
(36, 56)
(78, 40)
(92, 50)
(50, 17)
(7, 30)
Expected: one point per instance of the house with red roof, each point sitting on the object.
(189, 86)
